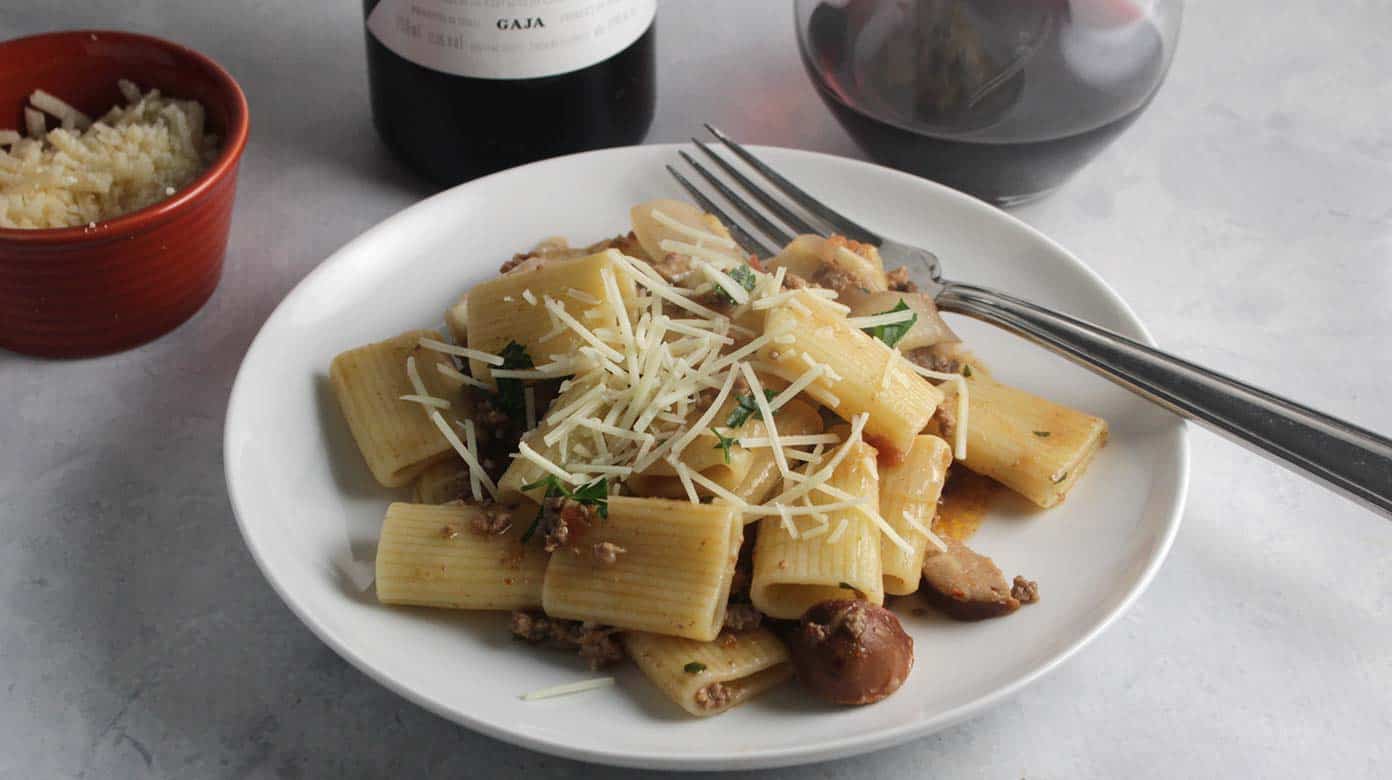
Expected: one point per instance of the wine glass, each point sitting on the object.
(1002, 99)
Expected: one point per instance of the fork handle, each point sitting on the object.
(1351, 460)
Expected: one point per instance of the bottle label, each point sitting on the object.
(509, 39)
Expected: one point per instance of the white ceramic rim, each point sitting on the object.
(823, 750)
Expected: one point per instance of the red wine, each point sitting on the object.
(1004, 100)
(462, 88)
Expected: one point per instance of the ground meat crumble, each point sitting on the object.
(792, 281)
(742, 617)
(597, 644)
(673, 267)
(834, 278)
(1024, 591)
(564, 522)
(607, 553)
(492, 520)
(899, 280)
(713, 696)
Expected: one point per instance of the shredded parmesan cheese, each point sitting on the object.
(460, 377)
(451, 349)
(840, 530)
(568, 689)
(83, 172)
(426, 400)
(959, 433)
(666, 220)
(876, 320)
(532, 455)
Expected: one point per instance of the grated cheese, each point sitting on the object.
(470, 457)
(702, 423)
(786, 520)
(451, 349)
(756, 390)
(529, 296)
(876, 320)
(790, 297)
(712, 486)
(568, 689)
(697, 252)
(684, 474)
(532, 455)
(426, 400)
(808, 377)
(724, 281)
(461, 377)
(839, 532)
(471, 441)
(797, 440)
(584, 297)
(83, 172)
(666, 220)
(959, 433)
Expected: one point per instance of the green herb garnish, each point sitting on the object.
(891, 334)
(745, 406)
(743, 276)
(724, 443)
(1042, 434)
(694, 667)
(511, 398)
(1059, 477)
(595, 494)
(860, 594)
(966, 371)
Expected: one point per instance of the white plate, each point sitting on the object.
(304, 498)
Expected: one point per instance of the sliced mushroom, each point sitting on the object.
(966, 585)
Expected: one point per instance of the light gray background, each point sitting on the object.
(1247, 217)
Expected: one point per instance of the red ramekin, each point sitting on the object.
(89, 291)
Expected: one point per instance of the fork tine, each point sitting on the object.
(760, 194)
(840, 223)
(762, 223)
(742, 237)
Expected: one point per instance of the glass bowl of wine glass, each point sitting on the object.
(1001, 99)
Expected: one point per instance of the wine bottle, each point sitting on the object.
(462, 88)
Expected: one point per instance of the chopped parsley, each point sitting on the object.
(1042, 434)
(510, 397)
(745, 406)
(724, 443)
(743, 276)
(1059, 477)
(694, 667)
(966, 371)
(594, 494)
(891, 334)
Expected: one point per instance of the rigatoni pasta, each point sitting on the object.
(1033, 446)
(397, 439)
(909, 492)
(528, 308)
(708, 678)
(858, 374)
(672, 577)
(791, 573)
(433, 556)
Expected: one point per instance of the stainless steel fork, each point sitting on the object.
(1351, 460)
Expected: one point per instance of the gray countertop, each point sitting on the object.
(1247, 217)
